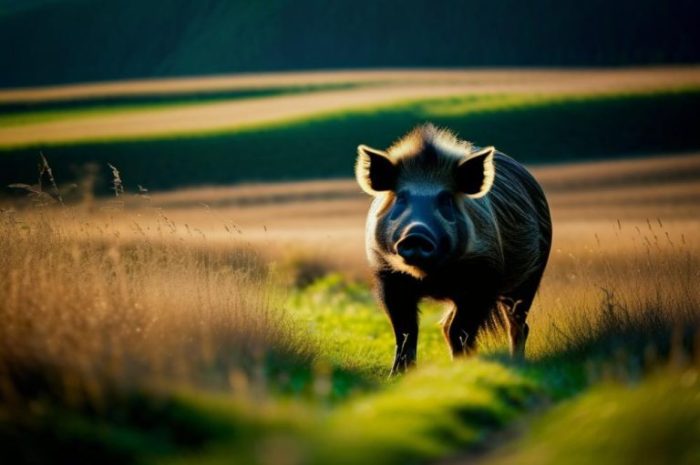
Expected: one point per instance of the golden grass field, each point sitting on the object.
(601, 204)
(616, 225)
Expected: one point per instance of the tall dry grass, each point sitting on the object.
(619, 285)
(86, 310)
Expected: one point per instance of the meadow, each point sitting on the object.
(236, 324)
(153, 333)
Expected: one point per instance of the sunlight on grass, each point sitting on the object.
(33, 112)
(354, 332)
(485, 103)
(107, 311)
(411, 420)
(147, 348)
(406, 421)
(655, 422)
(130, 335)
(627, 278)
(419, 109)
(465, 105)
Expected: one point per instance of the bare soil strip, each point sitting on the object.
(264, 80)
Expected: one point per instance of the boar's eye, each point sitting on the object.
(399, 205)
(446, 205)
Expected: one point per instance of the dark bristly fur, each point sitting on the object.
(454, 222)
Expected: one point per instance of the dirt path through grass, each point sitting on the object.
(483, 453)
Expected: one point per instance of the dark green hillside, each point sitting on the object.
(59, 41)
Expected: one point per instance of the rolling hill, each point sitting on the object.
(61, 41)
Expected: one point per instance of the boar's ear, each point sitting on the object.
(374, 171)
(475, 174)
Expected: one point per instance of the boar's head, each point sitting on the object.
(419, 220)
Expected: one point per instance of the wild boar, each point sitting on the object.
(455, 222)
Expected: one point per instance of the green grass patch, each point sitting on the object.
(428, 414)
(431, 413)
(353, 332)
(654, 422)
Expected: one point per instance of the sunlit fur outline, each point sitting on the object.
(488, 231)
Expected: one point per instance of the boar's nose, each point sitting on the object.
(417, 247)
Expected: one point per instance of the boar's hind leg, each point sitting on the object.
(515, 308)
(515, 312)
(462, 326)
(401, 305)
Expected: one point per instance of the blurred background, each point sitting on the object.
(178, 94)
(183, 242)
(67, 41)
(201, 58)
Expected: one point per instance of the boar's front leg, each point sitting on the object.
(462, 326)
(399, 296)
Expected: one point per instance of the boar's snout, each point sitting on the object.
(418, 247)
